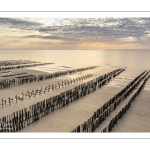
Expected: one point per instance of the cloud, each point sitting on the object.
(50, 37)
(91, 29)
(19, 23)
(82, 30)
(17, 41)
(48, 29)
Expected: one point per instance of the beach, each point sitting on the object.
(69, 117)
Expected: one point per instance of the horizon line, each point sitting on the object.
(74, 49)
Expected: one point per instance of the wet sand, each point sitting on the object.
(38, 69)
(117, 110)
(137, 119)
(69, 117)
(11, 92)
(52, 68)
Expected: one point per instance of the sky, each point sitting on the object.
(74, 33)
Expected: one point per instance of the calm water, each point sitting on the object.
(133, 59)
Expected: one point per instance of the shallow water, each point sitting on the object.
(134, 59)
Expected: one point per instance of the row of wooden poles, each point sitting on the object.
(23, 79)
(101, 114)
(16, 62)
(13, 75)
(124, 109)
(19, 119)
(22, 66)
(45, 89)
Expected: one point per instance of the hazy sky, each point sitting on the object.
(74, 33)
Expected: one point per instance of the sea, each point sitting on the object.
(133, 59)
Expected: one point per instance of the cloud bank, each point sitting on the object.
(75, 33)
